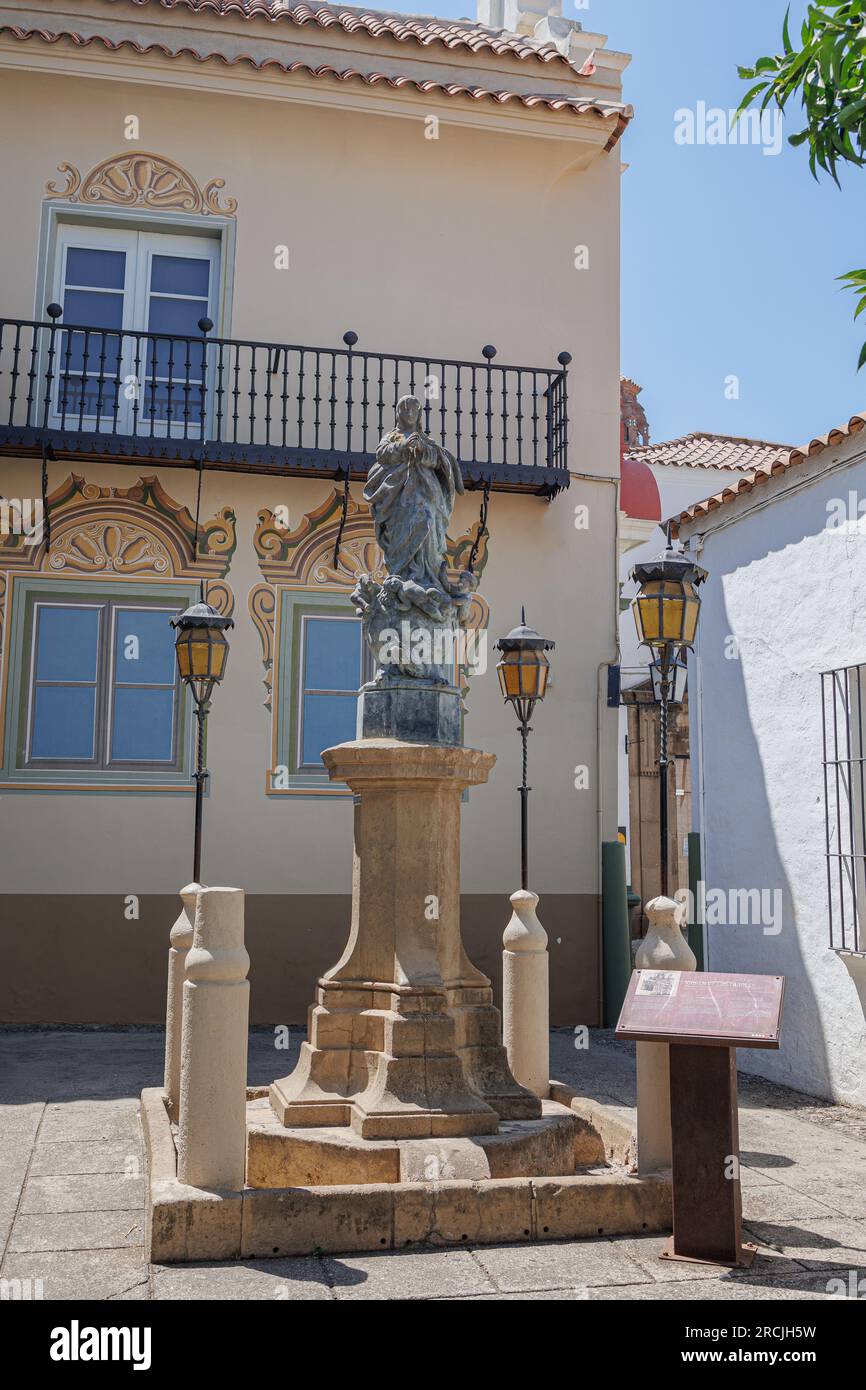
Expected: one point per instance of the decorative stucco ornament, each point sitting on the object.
(411, 619)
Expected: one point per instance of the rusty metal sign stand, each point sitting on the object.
(704, 1017)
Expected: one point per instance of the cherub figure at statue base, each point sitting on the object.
(412, 631)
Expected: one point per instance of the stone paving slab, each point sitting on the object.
(564, 1264)
(83, 1158)
(834, 1244)
(91, 1192)
(267, 1280)
(94, 1122)
(81, 1230)
(412, 1274)
(83, 1274)
(645, 1251)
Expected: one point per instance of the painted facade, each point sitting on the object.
(302, 179)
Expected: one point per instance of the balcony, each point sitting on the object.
(225, 403)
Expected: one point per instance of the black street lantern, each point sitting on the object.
(523, 673)
(666, 610)
(201, 650)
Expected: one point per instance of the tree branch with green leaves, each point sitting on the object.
(828, 73)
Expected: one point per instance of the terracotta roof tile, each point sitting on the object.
(701, 450)
(457, 33)
(617, 112)
(787, 458)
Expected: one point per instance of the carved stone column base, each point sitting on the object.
(392, 1050)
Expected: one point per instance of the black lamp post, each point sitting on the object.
(523, 673)
(202, 651)
(666, 609)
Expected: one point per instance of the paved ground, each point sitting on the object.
(71, 1194)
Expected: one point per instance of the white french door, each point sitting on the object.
(139, 295)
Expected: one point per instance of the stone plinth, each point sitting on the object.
(282, 1157)
(403, 1039)
(411, 713)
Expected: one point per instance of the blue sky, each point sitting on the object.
(729, 256)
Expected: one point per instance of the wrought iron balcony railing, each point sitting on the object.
(232, 404)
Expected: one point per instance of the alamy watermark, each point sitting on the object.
(734, 907)
(711, 125)
(465, 648)
(22, 516)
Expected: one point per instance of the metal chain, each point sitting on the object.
(338, 542)
(482, 532)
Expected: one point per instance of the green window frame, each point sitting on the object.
(96, 684)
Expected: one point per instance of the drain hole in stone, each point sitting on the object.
(526, 1231)
(545, 1229)
(601, 1230)
(276, 1250)
(381, 1240)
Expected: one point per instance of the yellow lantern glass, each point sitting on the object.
(523, 674)
(666, 610)
(201, 648)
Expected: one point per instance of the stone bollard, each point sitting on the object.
(181, 940)
(213, 1069)
(526, 996)
(663, 948)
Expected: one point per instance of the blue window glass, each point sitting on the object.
(105, 270)
(327, 719)
(104, 687)
(142, 728)
(180, 275)
(331, 675)
(67, 643)
(176, 316)
(143, 647)
(63, 721)
(92, 309)
(332, 648)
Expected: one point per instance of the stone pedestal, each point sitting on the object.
(211, 1135)
(180, 942)
(403, 1039)
(663, 948)
(526, 995)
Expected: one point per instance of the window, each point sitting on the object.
(103, 685)
(321, 664)
(331, 673)
(136, 296)
(843, 707)
(92, 691)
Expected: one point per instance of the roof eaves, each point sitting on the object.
(766, 471)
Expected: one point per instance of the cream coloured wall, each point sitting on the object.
(420, 246)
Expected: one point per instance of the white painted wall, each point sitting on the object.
(793, 593)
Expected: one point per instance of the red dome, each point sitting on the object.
(639, 494)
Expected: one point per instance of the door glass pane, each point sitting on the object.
(327, 719)
(143, 647)
(63, 717)
(101, 269)
(332, 654)
(67, 643)
(176, 316)
(92, 309)
(142, 725)
(180, 275)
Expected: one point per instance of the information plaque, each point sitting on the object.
(703, 1007)
(704, 1017)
